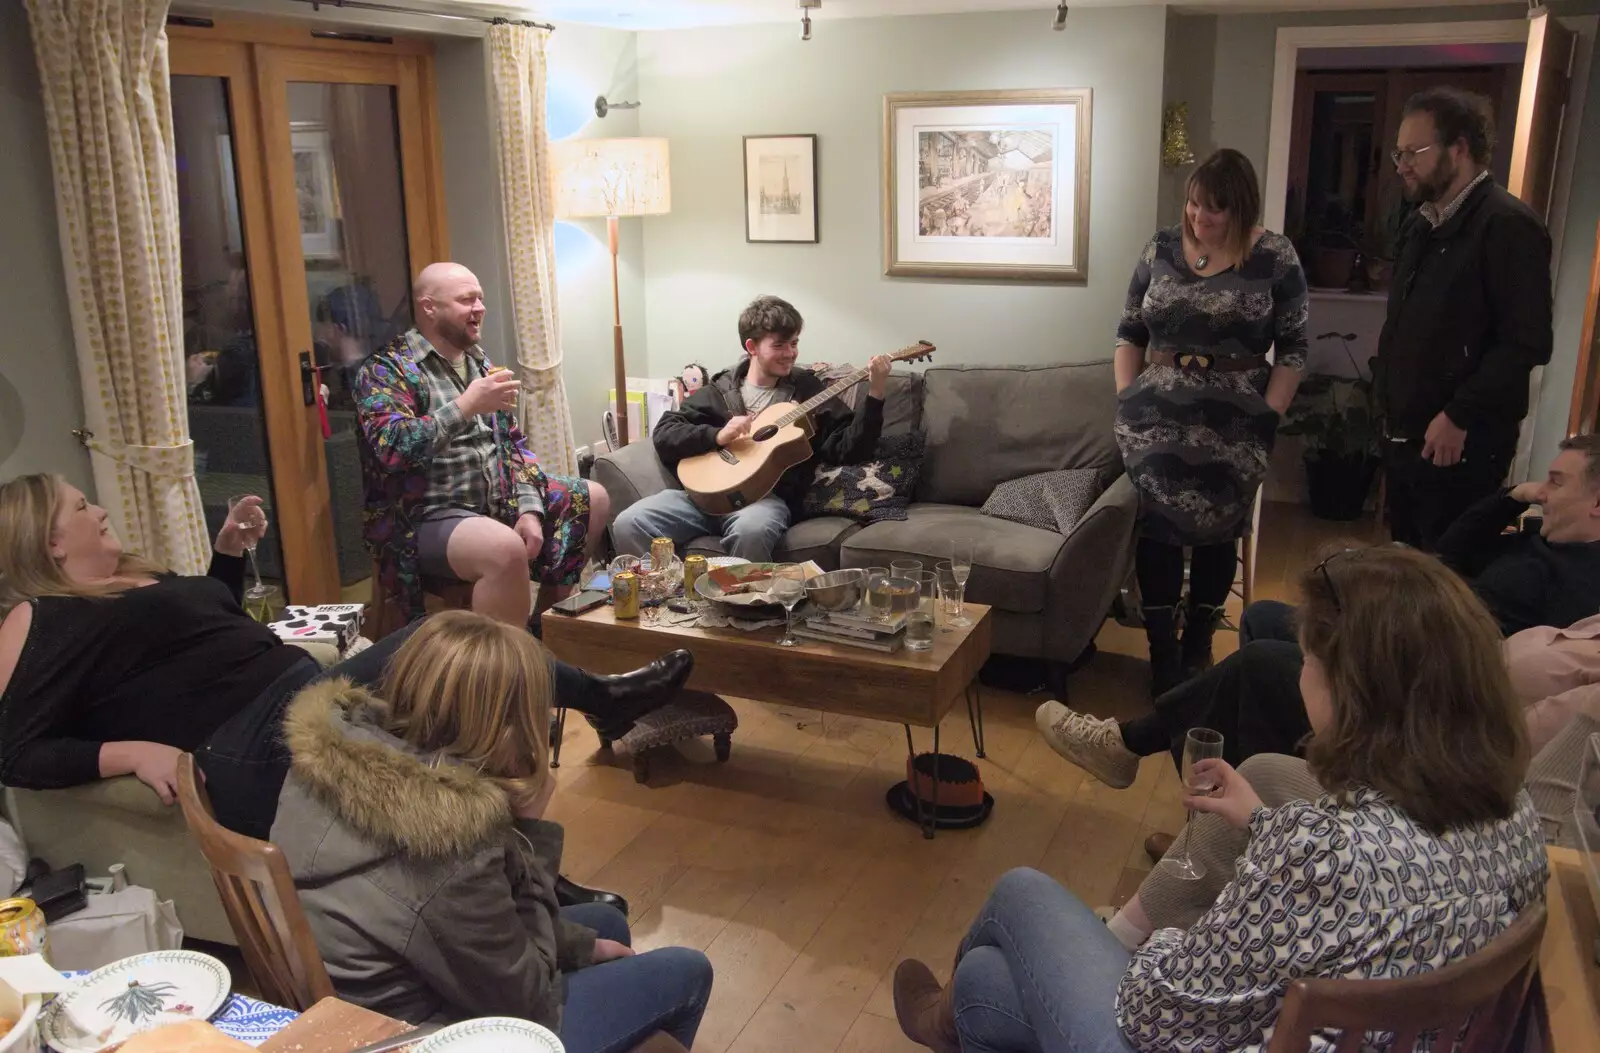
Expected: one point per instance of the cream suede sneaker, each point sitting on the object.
(1093, 744)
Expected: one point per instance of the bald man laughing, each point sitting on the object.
(453, 491)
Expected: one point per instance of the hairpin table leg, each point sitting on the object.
(560, 732)
(927, 818)
(975, 715)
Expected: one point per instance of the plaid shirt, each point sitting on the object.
(465, 469)
(1440, 216)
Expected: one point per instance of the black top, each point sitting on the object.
(168, 663)
(1523, 579)
(1469, 318)
(839, 436)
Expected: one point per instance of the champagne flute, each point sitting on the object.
(788, 587)
(1200, 744)
(252, 522)
(961, 567)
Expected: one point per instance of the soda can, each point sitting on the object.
(22, 928)
(661, 553)
(625, 594)
(694, 568)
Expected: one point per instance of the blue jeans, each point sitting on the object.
(1268, 620)
(1038, 971)
(750, 533)
(614, 1006)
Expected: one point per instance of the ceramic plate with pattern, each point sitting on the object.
(491, 1034)
(114, 1003)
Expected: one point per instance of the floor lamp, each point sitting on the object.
(612, 178)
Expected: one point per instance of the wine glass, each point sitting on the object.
(1200, 744)
(252, 523)
(788, 587)
(961, 567)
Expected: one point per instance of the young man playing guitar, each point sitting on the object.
(720, 413)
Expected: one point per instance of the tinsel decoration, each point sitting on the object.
(1175, 152)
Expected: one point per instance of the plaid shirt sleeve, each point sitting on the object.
(399, 439)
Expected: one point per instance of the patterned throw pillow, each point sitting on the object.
(873, 492)
(1048, 500)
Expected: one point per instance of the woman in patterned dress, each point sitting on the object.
(1198, 401)
(1407, 860)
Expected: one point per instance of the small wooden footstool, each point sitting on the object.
(690, 715)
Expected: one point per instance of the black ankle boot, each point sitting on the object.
(620, 700)
(570, 894)
(1166, 658)
(1199, 626)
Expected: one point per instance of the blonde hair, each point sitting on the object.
(1423, 707)
(29, 505)
(479, 691)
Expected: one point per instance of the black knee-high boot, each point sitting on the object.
(1199, 626)
(1166, 657)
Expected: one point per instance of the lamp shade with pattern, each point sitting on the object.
(611, 177)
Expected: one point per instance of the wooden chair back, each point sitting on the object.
(1489, 986)
(259, 897)
(384, 616)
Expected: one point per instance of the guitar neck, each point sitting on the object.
(837, 388)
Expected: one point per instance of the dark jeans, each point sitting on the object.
(1252, 697)
(615, 1005)
(1159, 567)
(245, 761)
(1423, 499)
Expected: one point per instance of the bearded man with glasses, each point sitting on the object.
(1469, 318)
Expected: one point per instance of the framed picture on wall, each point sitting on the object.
(315, 191)
(987, 184)
(780, 188)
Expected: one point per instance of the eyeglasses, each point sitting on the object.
(1408, 158)
(1327, 579)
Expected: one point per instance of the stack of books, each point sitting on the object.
(855, 630)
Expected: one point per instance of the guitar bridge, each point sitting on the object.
(727, 456)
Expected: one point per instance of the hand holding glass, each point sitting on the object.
(246, 515)
(788, 587)
(1200, 744)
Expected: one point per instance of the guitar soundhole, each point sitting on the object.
(764, 433)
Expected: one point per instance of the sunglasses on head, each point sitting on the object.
(1327, 578)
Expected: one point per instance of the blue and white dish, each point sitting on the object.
(118, 1001)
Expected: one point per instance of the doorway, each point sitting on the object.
(309, 196)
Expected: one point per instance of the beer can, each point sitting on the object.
(625, 594)
(22, 928)
(694, 567)
(661, 553)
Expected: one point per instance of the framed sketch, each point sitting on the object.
(315, 191)
(987, 184)
(780, 188)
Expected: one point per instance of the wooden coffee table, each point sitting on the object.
(910, 688)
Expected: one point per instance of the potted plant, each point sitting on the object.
(1330, 247)
(1336, 418)
(1387, 235)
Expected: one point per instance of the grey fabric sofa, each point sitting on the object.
(983, 425)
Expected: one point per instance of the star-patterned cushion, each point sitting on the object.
(869, 493)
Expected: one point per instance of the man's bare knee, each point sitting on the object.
(482, 547)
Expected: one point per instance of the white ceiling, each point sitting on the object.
(672, 14)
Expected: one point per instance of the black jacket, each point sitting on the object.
(1523, 579)
(1469, 318)
(839, 437)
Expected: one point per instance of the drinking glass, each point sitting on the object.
(1200, 744)
(961, 565)
(949, 591)
(906, 568)
(261, 603)
(919, 622)
(877, 597)
(788, 587)
(252, 522)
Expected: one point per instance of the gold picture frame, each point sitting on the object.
(990, 185)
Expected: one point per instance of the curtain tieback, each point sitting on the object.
(168, 462)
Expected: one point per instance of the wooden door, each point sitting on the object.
(340, 202)
(1586, 382)
(1540, 109)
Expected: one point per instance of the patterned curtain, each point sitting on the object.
(103, 67)
(517, 99)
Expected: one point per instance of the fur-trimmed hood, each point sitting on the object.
(382, 788)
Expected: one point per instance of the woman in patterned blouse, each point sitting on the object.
(1198, 401)
(1422, 850)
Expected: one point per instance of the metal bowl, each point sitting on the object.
(837, 590)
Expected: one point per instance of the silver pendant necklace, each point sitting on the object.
(1200, 262)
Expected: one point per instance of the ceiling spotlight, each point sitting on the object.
(805, 17)
(1059, 22)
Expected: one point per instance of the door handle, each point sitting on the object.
(309, 378)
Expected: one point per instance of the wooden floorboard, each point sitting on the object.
(787, 868)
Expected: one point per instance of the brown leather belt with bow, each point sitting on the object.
(1209, 363)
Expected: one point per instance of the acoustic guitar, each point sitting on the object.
(743, 472)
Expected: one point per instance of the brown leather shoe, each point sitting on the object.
(1156, 846)
(926, 1014)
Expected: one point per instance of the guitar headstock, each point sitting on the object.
(921, 351)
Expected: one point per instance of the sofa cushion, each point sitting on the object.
(1046, 500)
(902, 399)
(817, 539)
(869, 493)
(985, 425)
(1010, 562)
